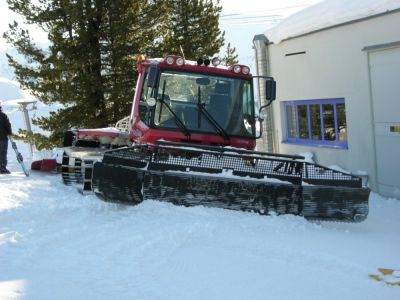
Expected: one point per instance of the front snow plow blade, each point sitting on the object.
(265, 183)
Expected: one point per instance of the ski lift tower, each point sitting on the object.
(25, 107)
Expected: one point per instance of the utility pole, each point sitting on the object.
(25, 109)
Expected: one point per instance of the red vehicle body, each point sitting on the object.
(189, 141)
(142, 132)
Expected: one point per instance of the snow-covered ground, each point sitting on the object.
(58, 244)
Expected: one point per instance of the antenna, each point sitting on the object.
(183, 54)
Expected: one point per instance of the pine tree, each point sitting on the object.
(89, 66)
(231, 57)
(194, 27)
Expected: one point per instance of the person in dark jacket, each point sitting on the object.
(5, 131)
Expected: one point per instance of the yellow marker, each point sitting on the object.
(395, 129)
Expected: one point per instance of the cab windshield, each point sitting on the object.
(203, 103)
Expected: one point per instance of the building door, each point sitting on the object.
(385, 87)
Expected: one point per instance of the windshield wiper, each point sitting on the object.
(201, 108)
(177, 120)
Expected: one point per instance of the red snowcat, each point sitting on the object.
(190, 140)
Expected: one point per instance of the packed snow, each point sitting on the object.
(328, 13)
(58, 244)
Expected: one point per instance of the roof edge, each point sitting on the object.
(388, 12)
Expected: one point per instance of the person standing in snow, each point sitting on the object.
(5, 131)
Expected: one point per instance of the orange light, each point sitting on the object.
(140, 58)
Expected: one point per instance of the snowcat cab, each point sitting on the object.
(182, 101)
(193, 128)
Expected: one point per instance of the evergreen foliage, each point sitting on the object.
(194, 28)
(89, 65)
(231, 56)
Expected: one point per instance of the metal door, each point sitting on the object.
(385, 88)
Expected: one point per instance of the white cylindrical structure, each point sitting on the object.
(25, 110)
(260, 43)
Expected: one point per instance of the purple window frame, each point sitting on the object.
(311, 142)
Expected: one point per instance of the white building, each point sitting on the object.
(337, 67)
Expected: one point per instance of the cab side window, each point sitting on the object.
(144, 110)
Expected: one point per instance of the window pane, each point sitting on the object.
(247, 107)
(329, 122)
(303, 121)
(315, 119)
(291, 121)
(319, 122)
(341, 121)
(143, 108)
(146, 91)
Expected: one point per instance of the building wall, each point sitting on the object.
(334, 66)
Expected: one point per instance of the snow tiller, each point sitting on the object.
(187, 123)
(228, 178)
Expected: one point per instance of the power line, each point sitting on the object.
(252, 17)
(252, 20)
(242, 19)
(272, 9)
(228, 15)
(254, 23)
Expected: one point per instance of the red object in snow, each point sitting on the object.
(44, 165)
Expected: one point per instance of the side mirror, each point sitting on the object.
(270, 89)
(152, 77)
(270, 95)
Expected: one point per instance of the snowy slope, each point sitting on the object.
(57, 244)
